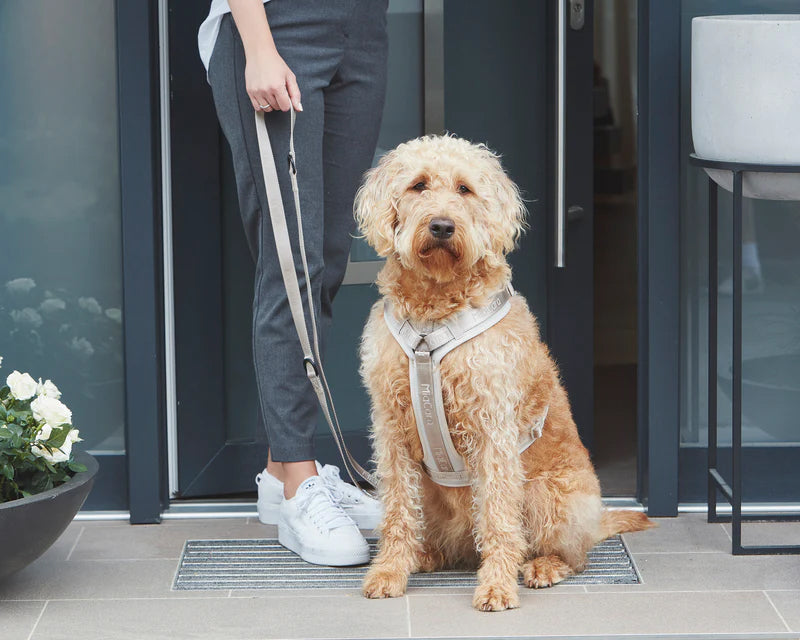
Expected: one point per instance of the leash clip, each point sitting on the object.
(312, 368)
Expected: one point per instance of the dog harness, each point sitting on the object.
(426, 344)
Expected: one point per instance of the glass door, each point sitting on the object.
(771, 325)
(486, 73)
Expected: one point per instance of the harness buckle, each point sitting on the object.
(422, 349)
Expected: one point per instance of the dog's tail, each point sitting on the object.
(614, 522)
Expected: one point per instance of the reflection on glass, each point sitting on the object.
(771, 283)
(60, 264)
(403, 113)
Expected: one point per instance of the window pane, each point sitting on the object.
(771, 275)
(60, 264)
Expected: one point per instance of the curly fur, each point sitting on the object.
(537, 513)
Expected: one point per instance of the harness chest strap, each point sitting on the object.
(426, 344)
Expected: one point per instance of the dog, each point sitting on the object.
(538, 512)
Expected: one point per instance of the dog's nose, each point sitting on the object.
(442, 228)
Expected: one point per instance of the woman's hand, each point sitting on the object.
(270, 82)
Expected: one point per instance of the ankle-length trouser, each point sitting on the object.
(337, 49)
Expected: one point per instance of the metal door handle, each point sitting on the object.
(576, 22)
(561, 76)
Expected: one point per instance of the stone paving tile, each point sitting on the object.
(18, 618)
(710, 571)
(165, 540)
(763, 533)
(598, 614)
(219, 619)
(788, 605)
(687, 533)
(45, 580)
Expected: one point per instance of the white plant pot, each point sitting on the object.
(746, 98)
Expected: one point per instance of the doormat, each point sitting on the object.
(265, 564)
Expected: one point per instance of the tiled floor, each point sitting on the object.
(109, 580)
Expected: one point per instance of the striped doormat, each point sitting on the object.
(265, 564)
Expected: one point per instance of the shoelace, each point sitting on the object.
(333, 482)
(323, 508)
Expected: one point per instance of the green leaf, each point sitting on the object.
(58, 437)
(77, 467)
(7, 470)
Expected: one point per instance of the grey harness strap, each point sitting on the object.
(426, 344)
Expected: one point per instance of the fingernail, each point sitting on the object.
(299, 106)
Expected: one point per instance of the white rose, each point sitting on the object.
(90, 304)
(52, 304)
(22, 385)
(51, 410)
(48, 389)
(56, 455)
(20, 285)
(82, 347)
(73, 436)
(44, 433)
(27, 316)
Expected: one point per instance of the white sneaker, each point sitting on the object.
(270, 496)
(365, 511)
(315, 527)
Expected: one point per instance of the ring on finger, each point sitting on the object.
(265, 107)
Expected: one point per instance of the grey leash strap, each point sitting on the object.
(311, 357)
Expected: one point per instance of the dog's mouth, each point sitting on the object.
(436, 248)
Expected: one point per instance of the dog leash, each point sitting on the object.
(311, 357)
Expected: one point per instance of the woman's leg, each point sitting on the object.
(287, 400)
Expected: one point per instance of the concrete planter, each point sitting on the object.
(30, 525)
(746, 97)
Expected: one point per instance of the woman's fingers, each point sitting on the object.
(294, 91)
(279, 98)
(259, 102)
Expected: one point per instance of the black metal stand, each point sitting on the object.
(732, 492)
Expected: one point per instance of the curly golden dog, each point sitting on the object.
(538, 512)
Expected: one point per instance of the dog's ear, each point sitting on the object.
(511, 211)
(375, 204)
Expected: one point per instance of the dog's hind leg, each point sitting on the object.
(562, 528)
(545, 571)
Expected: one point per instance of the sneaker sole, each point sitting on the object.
(314, 556)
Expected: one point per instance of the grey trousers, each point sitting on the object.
(337, 49)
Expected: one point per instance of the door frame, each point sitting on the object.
(658, 391)
(140, 195)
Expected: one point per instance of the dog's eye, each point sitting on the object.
(462, 188)
(420, 186)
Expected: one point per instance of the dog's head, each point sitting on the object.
(440, 205)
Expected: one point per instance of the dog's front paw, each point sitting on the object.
(381, 582)
(492, 597)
